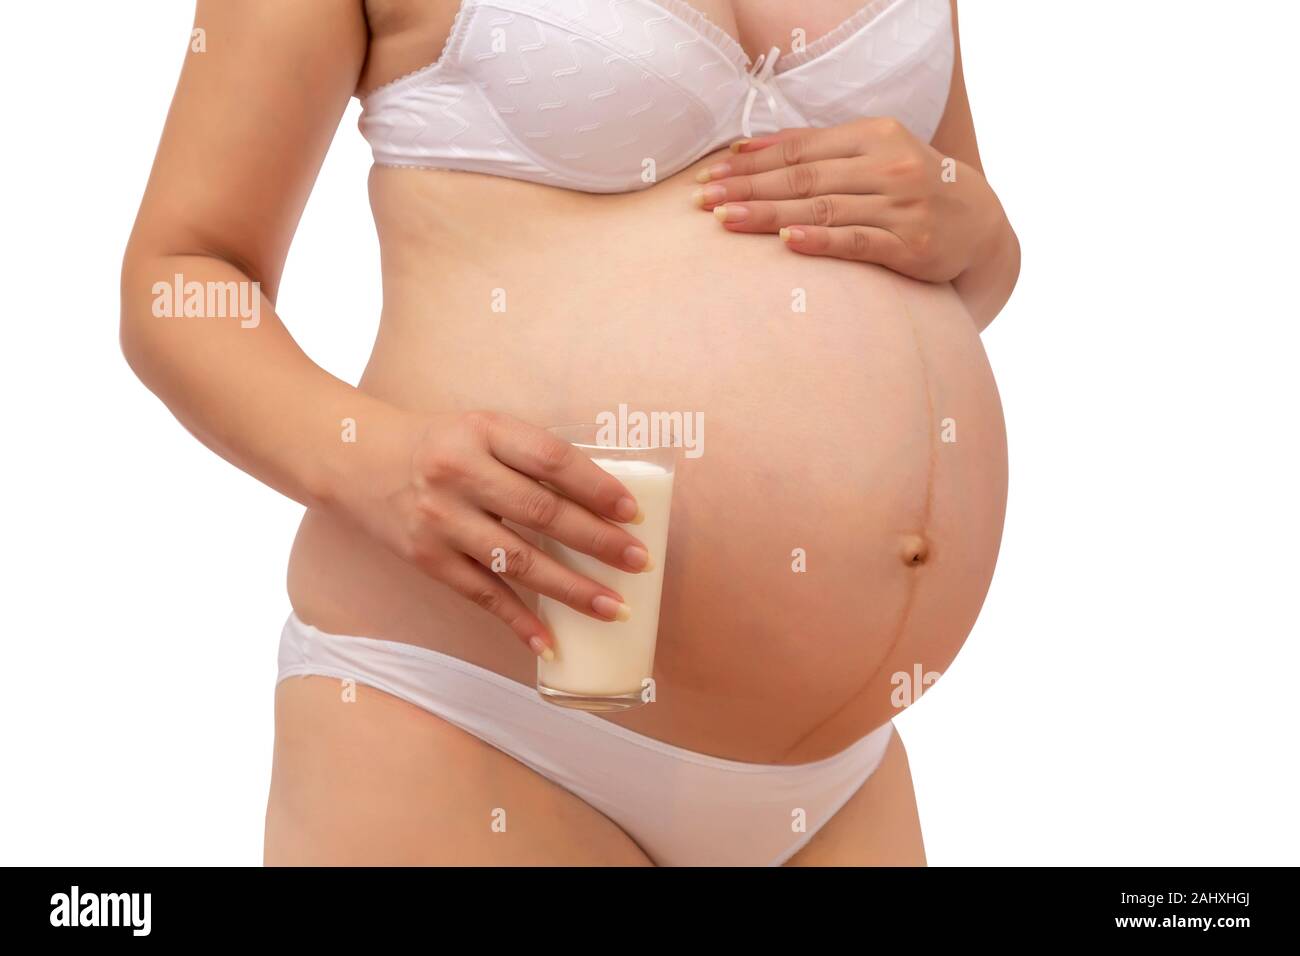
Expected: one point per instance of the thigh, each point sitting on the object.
(378, 781)
(879, 826)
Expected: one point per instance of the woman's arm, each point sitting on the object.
(249, 127)
(252, 118)
(986, 284)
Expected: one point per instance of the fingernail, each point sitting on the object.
(608, 608)
(739, 144)
(730, 212)
(540, 649)
(717, 171)
(792, 234)
(635, 557)
(626, 509)
(708, 195)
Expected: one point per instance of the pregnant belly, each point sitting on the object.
(835, 528)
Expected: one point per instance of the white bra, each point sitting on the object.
(614, 95)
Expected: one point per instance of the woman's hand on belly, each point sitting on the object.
(866, 191)
(438, 493)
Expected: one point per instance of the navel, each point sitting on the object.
(914, 550)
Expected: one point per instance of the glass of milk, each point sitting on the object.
(606, 665)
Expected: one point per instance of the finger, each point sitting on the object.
(833, 210)
(471, 581)
(754, 143)
(858, 243)
(795, 182)
(531, 504)
(539, 454)
(503, 552)
(786, 148)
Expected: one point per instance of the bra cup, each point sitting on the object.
(899, 64)
(614, 112)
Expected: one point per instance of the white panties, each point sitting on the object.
(682, 808)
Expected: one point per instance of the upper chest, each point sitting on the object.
(760, 25)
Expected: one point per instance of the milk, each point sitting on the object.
(597, 658)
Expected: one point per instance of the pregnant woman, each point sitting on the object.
(770, 216)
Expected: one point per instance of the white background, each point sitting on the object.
(1127, 696)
